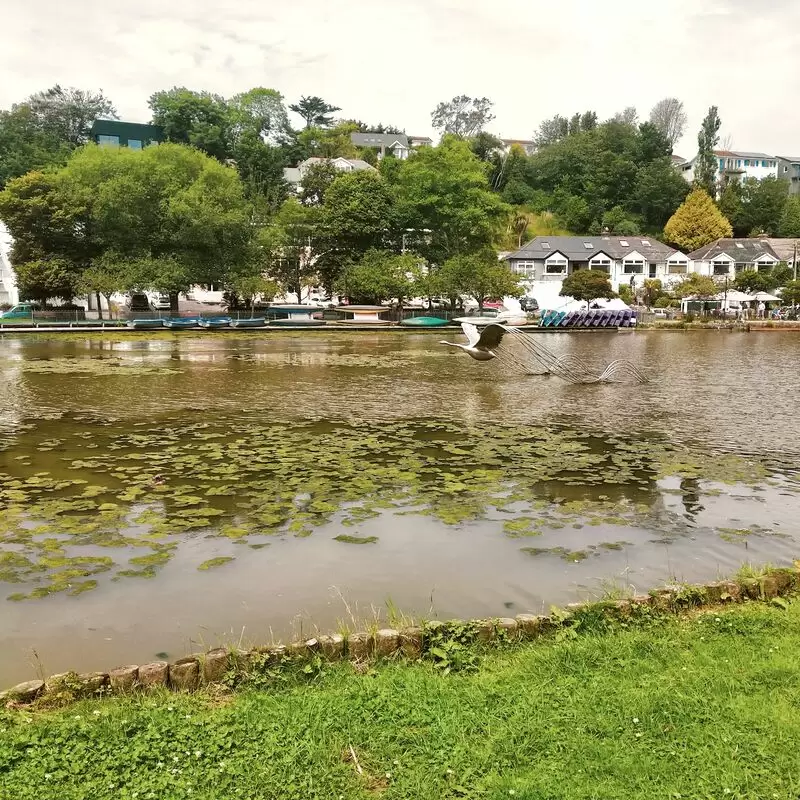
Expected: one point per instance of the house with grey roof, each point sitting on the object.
(420, 141)
(545, 261)
(394, 143)
(294, 175)
(727, 257)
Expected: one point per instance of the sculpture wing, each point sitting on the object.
(490, 336)
(471, 332)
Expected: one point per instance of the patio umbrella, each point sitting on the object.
(764, 297)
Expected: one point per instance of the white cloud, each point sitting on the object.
(393, 61)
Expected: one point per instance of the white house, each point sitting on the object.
(544, 262)
(528, 145)
(738, 164)
(726, 257)
(294, 175)
(8, 282)
(394, 143)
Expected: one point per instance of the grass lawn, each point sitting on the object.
(687, 708)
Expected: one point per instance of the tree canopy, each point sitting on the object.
(168, 216)
(479, 275)
(669, 117)
(586, 285)
(315, 111)
(463, 116)
(705, 168)
(697, 221)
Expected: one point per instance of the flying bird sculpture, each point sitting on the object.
(534, 358)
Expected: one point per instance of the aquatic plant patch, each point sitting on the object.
(85, 499)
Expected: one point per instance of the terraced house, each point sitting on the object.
(544, 262)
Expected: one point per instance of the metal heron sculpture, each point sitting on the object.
(536, 359)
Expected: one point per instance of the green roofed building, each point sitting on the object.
(116, 133)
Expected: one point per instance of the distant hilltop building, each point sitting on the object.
(394, 143)
(116, 133)
(294, 175)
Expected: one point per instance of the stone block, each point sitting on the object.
(714, 591)
(214, 665)
(731, 591)
(61, 682)
(642, 600)
(332, 646)
(26, 692)
(123, 679)
(359, 646)
(297, 651)
(184, 674)
(411, 643)
(484, 630)
(751, 588)
(507, 627)
(387, 642)
(784, 578)
(91, 683)
(528, 625)
(769, 587)
(153, 674)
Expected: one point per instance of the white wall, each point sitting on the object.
(8, 280)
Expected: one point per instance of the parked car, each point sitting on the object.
(528, 303)
(138, 302)
(20, 311)
(161, 303)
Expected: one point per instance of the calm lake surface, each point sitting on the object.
(159, 495)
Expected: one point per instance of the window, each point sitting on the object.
(747, 162)
(722, 163)
(676, 269)
(588, 245)
(526, 268)
(763, 163)
(545, 245)
(556, 266)
(633, 267)
(720, 268)
(135, 144)
(108, 141)
(601, 264)
(740, 245)
(738, 162)
(651, 270)
(623, 242)
(764, 266)
(646, 243)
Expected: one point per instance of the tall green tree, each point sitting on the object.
(763, 203)
(26, 146)
(789, 225)
(382, 275)
(176, 216)
(315, 111)
(705, 167)
(261, 111)
(731, 204)
(317, 179)
(358, 215)
(698, 221)
(463, 116)
(479, 275)
(659, 190)
(290, 242)
(444, 201)
(200, 119)
(67, 113)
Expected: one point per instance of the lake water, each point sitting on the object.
(164, 494)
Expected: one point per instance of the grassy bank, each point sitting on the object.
(699, 707)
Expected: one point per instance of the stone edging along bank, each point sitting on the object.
(412, 643)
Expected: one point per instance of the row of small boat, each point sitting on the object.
(178, 323)
(587, 319)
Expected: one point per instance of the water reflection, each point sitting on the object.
(531, 488)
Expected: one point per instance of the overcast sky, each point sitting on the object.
(391, 61)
